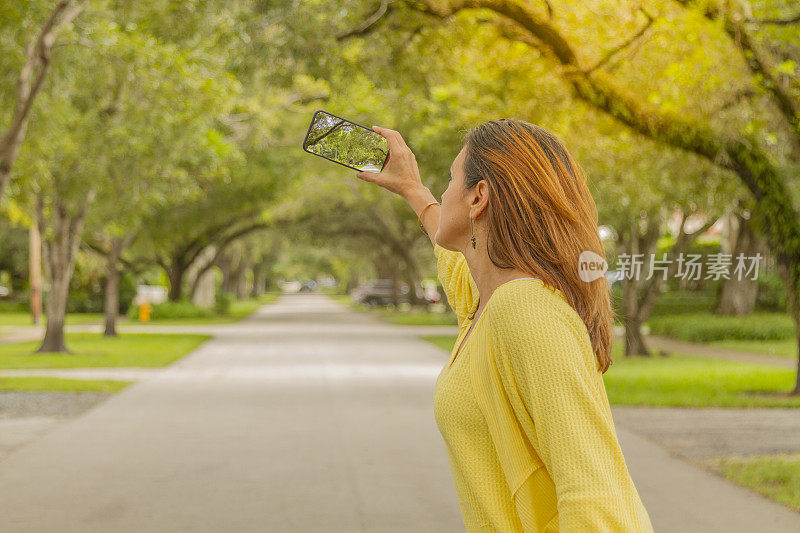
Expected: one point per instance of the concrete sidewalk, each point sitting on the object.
(682, 497)
(705, 432)
(306, 416)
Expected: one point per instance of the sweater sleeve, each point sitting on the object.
(459, 286)
(547, 363)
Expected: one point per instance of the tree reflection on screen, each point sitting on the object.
(346, 143)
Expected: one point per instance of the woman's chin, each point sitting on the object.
(444, 244)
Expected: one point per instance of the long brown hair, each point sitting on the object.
(541, 216)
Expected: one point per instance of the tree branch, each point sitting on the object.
(365, 26)
(222, 246)
(741, 153)
(734, 19)
(617, 49)
(29, 83)
(779, 22)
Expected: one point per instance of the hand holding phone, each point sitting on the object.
(400, 175)
(380, 155)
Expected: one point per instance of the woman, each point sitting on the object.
(521, 402)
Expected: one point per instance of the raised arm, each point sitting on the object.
(400, 175)
(418, 199)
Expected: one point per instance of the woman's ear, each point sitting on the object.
(480, 198)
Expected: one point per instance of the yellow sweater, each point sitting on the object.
(525, 417)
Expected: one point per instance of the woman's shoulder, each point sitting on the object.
(528, 297)
(529, 307)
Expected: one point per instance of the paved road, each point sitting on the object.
(305, 417)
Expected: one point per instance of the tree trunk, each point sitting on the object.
(112, 301)
(241, 280)
(61, 254)
(738, 296)
(634, 340)
(203, 289)
(226, 264)
(118, 245)
(639, 296)
(259, 280)
(175, 273)
(56, 309)
(202, 277)
(228, 281)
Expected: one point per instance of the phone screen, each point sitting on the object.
(345, 142)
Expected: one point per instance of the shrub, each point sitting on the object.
(180, 309)
(671, 302)
(87, 293)
(222, 302)
(706, 327)
(771, 292)
(14, 306)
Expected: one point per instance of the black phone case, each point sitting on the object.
(318, 111)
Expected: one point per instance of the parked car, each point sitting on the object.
(308, 286)
(379, 292)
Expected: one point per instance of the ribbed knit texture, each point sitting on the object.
(525, 416)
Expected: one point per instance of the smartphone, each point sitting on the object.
(345, 142)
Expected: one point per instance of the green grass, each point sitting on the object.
(94, 350)
(781, 348)
(24, 319)
(691, 381)
(687, 381)
(48, 384)
(776, 476)
(445, 342)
